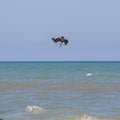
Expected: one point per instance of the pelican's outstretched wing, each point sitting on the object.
(56, 40)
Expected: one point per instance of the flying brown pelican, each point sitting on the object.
(62, 40)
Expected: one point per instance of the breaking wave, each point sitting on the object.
(86, 117)
(33, 108)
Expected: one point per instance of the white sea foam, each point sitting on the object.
(33, 108)
(87, 117)
(84, 117)
(89, 74)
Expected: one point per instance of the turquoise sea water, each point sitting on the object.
(60, 90)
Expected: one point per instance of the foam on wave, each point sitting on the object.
(30, 108)
(89, 74)
(86, 117)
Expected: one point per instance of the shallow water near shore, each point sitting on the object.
(60, 90)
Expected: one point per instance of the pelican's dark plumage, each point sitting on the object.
(62, 40)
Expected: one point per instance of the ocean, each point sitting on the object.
(60, 90)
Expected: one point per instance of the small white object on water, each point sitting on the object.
(33, 108)
(89, 74)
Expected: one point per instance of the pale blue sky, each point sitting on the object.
(91, 26)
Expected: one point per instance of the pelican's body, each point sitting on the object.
(62, 40)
